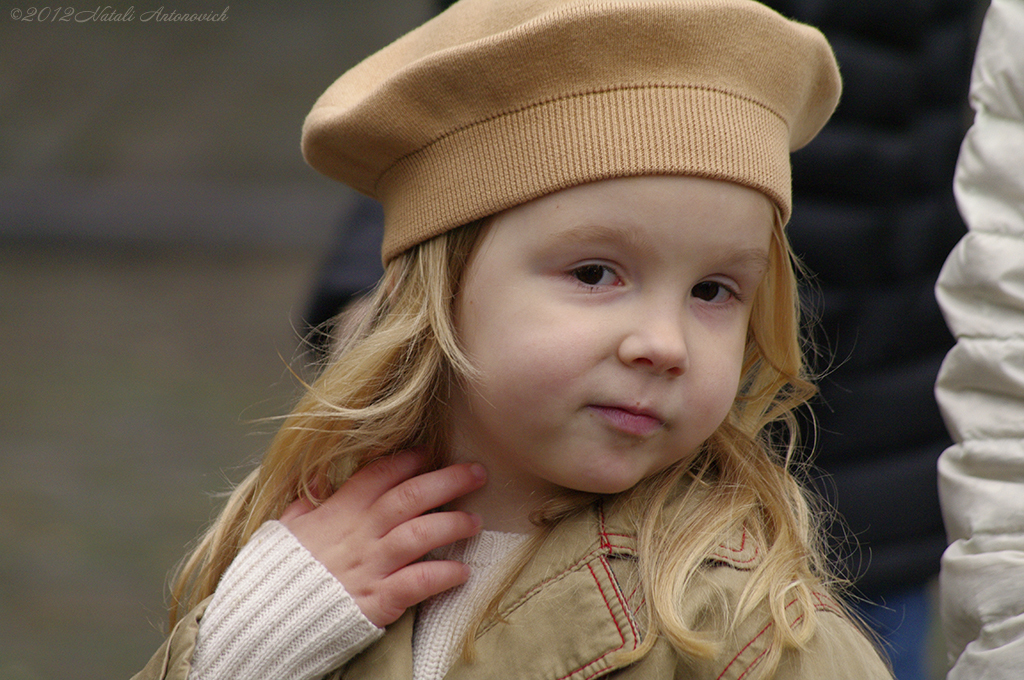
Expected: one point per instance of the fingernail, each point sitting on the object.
(478, 471)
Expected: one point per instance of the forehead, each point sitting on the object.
(646, 214)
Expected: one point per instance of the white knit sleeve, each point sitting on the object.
(278, 613)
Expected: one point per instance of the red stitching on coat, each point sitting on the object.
(606, 535)
(610, 613)
(752, 663)
(621, 597)
(575, 566)
(742, 548)
(824, 603)
(733, 660)
(636, 609)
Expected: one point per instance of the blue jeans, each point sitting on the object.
(901, 619)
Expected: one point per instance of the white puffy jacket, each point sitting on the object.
(981, 386)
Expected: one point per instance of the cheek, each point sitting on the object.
(723, 385)
(528, 359)
(726, 396)
(516, 326)
(524, 356)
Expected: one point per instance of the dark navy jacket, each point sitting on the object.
(874, 219)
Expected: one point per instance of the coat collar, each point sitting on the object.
(569, 587)
(573, 607)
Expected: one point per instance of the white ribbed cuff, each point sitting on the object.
(278, 613)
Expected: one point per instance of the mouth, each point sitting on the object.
(628, 420)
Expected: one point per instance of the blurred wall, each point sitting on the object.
(159, 233)
(127, 126)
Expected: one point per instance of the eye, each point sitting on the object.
(595, 275)
(713, 291)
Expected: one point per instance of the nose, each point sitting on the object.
(656, 342)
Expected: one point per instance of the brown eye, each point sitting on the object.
(708, 290)
(592, 274)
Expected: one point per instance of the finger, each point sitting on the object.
(411, 586)
(412, 540)
(369, 483)
(297, 509)
(426, 492)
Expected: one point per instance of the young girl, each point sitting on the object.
(558, 443)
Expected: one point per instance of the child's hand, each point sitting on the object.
(370, 533)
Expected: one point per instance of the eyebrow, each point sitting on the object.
(630, 236)
(755, 258)
(638, 239)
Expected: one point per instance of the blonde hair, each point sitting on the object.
(386, 389)
(382, 391)
(743, 481)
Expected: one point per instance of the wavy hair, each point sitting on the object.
(386, 388)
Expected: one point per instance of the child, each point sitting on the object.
(571, 391)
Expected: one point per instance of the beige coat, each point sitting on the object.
(574, 606)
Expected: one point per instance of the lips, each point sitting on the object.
(631, 421)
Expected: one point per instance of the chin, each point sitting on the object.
(606, 486)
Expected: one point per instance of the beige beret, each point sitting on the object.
(496, 102)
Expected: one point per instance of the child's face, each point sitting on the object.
(608, 322)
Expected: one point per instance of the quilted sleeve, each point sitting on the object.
(980, 388)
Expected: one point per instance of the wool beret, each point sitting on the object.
(493, 103)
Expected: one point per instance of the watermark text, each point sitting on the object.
(105, 14)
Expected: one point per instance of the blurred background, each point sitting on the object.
(159, 238)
